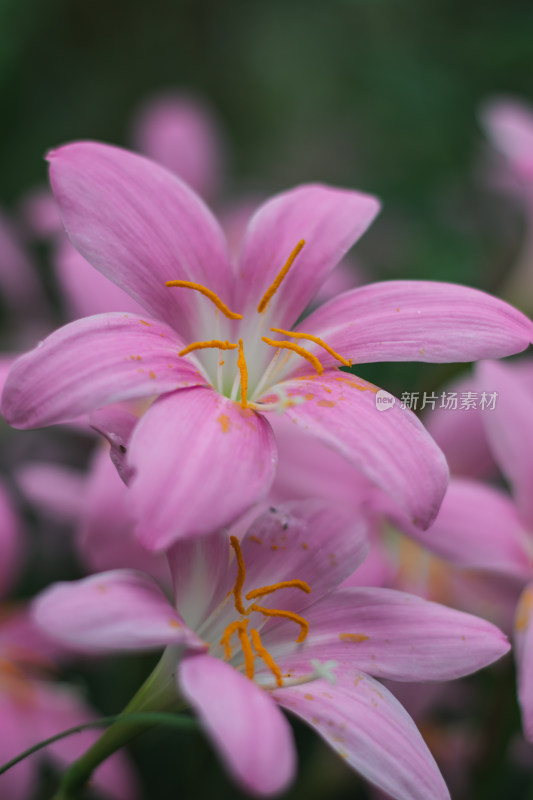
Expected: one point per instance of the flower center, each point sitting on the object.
(250, 640)
(240, 383)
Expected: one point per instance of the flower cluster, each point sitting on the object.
(243, 469)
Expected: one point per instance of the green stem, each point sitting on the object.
(174, 720)
(158, 693)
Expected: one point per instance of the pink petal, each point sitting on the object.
(116, 424)
(363, 722)
(460, 432)
(252, 736)
(478, 527)
(141, 226)
(221, 460)
(179, 132)
(59, 709)
(524, 658)
(11, 542)
(112, 611)
(93, 362)
(307, 540)
(87, 291)
(390, 447)
(417, 321)
(389, 634)
(510, 430)
(53, 488)
(18, 276)
(106, 537)
(509, 123)
(307, 467)
(199, 567)
(329, 220)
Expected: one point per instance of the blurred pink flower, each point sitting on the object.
(32, 706)
(235, 646)
(149, 233)
(508, 122)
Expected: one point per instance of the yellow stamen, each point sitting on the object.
(241, 575)
(208, 293)
(263, 653)
(295, 584)
(270, 292)
(246, 649)
(274, 612)
(243, 369)
(226, 637)
(204, 345)
(316, 340)
(300, 350)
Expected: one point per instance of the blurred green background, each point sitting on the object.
(380, 95)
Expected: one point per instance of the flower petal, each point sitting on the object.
(389, 634)
(478, 527)
(141, 226)
(179, 132)
(363, 722)
(116, 424)
(94, 362)
(199, 565)
(221, 461)
(417, 321)
(329, 220)
(111, 612)
(509, 428)
(524, 658)
(308, 540)
(11, 542)
(55, 489)
(106, 529)
(391, 448)
(458, 429)
(509, 123)
(86, 290)
(251, 735)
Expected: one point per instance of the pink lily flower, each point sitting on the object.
(480, 527)
(33, 707)
(270, 628)
(217, 347)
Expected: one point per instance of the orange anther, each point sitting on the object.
(295, 584)
(271, 291)
(295, 348)
(274, 612)
(246, 649)
(263, 653)
(316, 340)
(207, 293)
(241, 575)
(216, 343)
(243, 369)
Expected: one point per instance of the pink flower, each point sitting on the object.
(270, 628)
(480, 527)
(218, 351)
(32, 706)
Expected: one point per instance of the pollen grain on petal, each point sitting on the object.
(355, 638)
